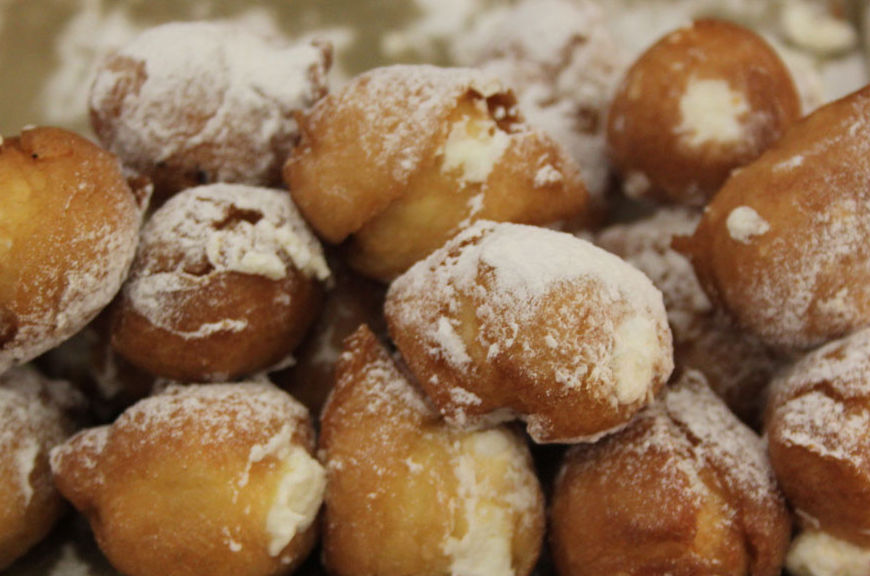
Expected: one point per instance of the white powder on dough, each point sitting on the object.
(216, 411)
(561, 61)
(487, 492)
(509, 272)
(214, 85)
(447, 339)
(744, 223)
(31, 424)
(820, 420)
(646, 244)
(735, 452)
(224, 228)
(66, 292)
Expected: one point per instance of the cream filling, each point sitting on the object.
(711, 113)
(473, 148)
(485, 547)
(744, 223)
(297, 498)
(815, 553)
(635, 350)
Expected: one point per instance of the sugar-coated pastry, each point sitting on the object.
(818, 428)
(205, 479)
(407, 494)
(404, 157)
(705, 99)
(737, 366)
(353, 301)
(507, 320)
(685, 489)
(782, 247)
(563, 63)
(226, 281)
(32, 422)
(68, 231)
(191, 103)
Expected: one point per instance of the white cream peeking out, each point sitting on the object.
(473, 148)
(634, 354)
(485, 547)
(744, 223)
(818, 554)
(711, 113)
(297, 498)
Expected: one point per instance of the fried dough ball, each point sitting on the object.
(737, 366)
(226, 282)
(702, 101)
(563, 62)
(783, 245)
(68, 231)
(818, 429)
(686, 489)
(191, 103)
(216, 479)
(404, 157)
(406, 494)
(32, 422)
(353, 301)
(508, 320)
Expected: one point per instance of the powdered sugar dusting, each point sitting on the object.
(812, 401)
(483, 479)
(560, 59)
(510, 272)
(699, 451)
(73, 284)
(211, 230)
(31, 423)
(218, 412)
(210, 84)
(646, 244)
(816, 247)
(399, 103)
(737, 454)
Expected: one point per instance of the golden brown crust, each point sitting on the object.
(652, 135)
(408, 495)
(817, 428)
(508, 320)
(226, 282)
(782, 247)
(405, 156)
(684, 490)
(194, 472)
(68, 232)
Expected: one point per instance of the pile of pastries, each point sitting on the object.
(404, 325)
